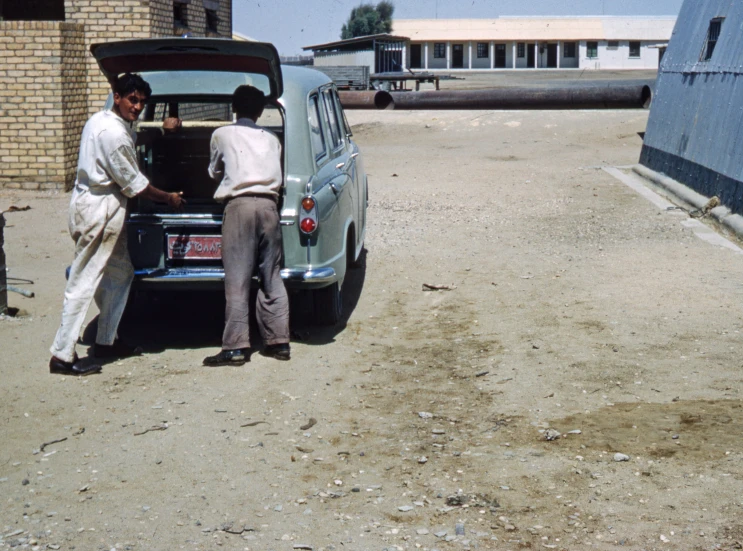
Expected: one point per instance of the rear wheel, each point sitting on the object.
(328, 303)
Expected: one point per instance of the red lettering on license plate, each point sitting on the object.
(194, 247)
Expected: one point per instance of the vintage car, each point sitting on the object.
(324, 200)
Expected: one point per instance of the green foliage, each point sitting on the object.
(368, 19)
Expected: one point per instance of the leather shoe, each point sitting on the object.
(281, 351)
(76, 368)
(228, 357)
(119, 349)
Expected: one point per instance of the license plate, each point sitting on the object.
(194, 247)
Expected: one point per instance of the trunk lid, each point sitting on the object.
(190, 54)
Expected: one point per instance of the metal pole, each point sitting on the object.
(3, 276)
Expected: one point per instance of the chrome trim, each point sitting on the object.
(317, 275)
(185, 275)
(165, 275)
(173, 216)
(287, 222)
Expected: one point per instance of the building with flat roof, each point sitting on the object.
(605, 42)
(50, 83)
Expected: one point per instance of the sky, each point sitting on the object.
(292, 24)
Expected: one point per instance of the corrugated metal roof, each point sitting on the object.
(358, 41)
(686, 50)
(537, 28)
(695, 129)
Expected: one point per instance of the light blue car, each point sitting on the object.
(325, 193)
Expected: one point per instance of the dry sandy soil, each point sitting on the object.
(579, 306)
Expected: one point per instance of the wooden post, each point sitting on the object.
(3, 277)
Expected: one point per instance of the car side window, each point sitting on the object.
(342, 115)
(332, 119)
(316, 135)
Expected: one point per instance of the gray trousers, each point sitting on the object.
(251, 241)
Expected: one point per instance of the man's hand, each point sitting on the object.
(172, 124)
(176, 201)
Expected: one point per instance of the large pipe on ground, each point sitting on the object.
(373, 99)
(588, 97)
(3, 280)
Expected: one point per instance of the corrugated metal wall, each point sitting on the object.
(695, 129)
(364, 57)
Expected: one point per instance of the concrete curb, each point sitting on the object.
(722, 214)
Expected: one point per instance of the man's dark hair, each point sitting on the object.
(248, 101)
(128, 83)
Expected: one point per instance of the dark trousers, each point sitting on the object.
(251, 241)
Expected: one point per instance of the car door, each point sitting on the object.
(331, 186)
(356, 169)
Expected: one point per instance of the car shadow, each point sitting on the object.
(303, 328)
(163, 320)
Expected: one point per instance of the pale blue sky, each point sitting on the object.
(292, 24)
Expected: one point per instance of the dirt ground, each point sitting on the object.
(421, 421)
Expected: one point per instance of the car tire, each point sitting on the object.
(328, 304)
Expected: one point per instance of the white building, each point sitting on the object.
(604, 42)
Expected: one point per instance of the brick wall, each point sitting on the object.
(32, 117)
(50, 83)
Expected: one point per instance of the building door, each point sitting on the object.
(500, 56)
(530, 57)
(552, 56)
(415, 56)
(457, 56)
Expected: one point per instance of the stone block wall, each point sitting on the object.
(50, 83)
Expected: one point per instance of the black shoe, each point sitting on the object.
(280, 351)
(117, 350)
(228, 357)
(76, 368)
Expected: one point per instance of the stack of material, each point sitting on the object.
(3, 278)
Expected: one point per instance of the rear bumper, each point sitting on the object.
(206, 275)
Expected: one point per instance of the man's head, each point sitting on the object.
(130, 93)
(248, 102)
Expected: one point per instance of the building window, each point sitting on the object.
(32, 10)
(634, 49)
(592, 49)
(612, 45)
(520, 49)
(482, 49)
(713, 34)
(180, 15)
(569, 49)
(439, 50)
(212, 21)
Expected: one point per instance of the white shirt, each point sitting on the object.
(108, 159)
(246, 160)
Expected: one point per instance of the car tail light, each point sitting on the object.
(308, 215)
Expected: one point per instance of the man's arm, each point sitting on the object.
(173, 200)
(171, 124)
(216, 160)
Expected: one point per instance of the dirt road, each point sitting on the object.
(421, 422)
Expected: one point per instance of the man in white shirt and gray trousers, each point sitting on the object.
(246, 161)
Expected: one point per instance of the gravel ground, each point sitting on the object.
(576, 387)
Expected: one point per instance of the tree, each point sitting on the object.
(368, 19)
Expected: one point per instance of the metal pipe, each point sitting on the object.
(3, 275)
(366, 99)
(635, 96)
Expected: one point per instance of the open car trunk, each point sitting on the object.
(185, 244)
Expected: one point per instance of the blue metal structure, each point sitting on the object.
(695, 129)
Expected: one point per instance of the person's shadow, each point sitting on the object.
(188, 319)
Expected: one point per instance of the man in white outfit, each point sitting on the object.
(107, 175)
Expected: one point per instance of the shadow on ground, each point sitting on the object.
(163, 320)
